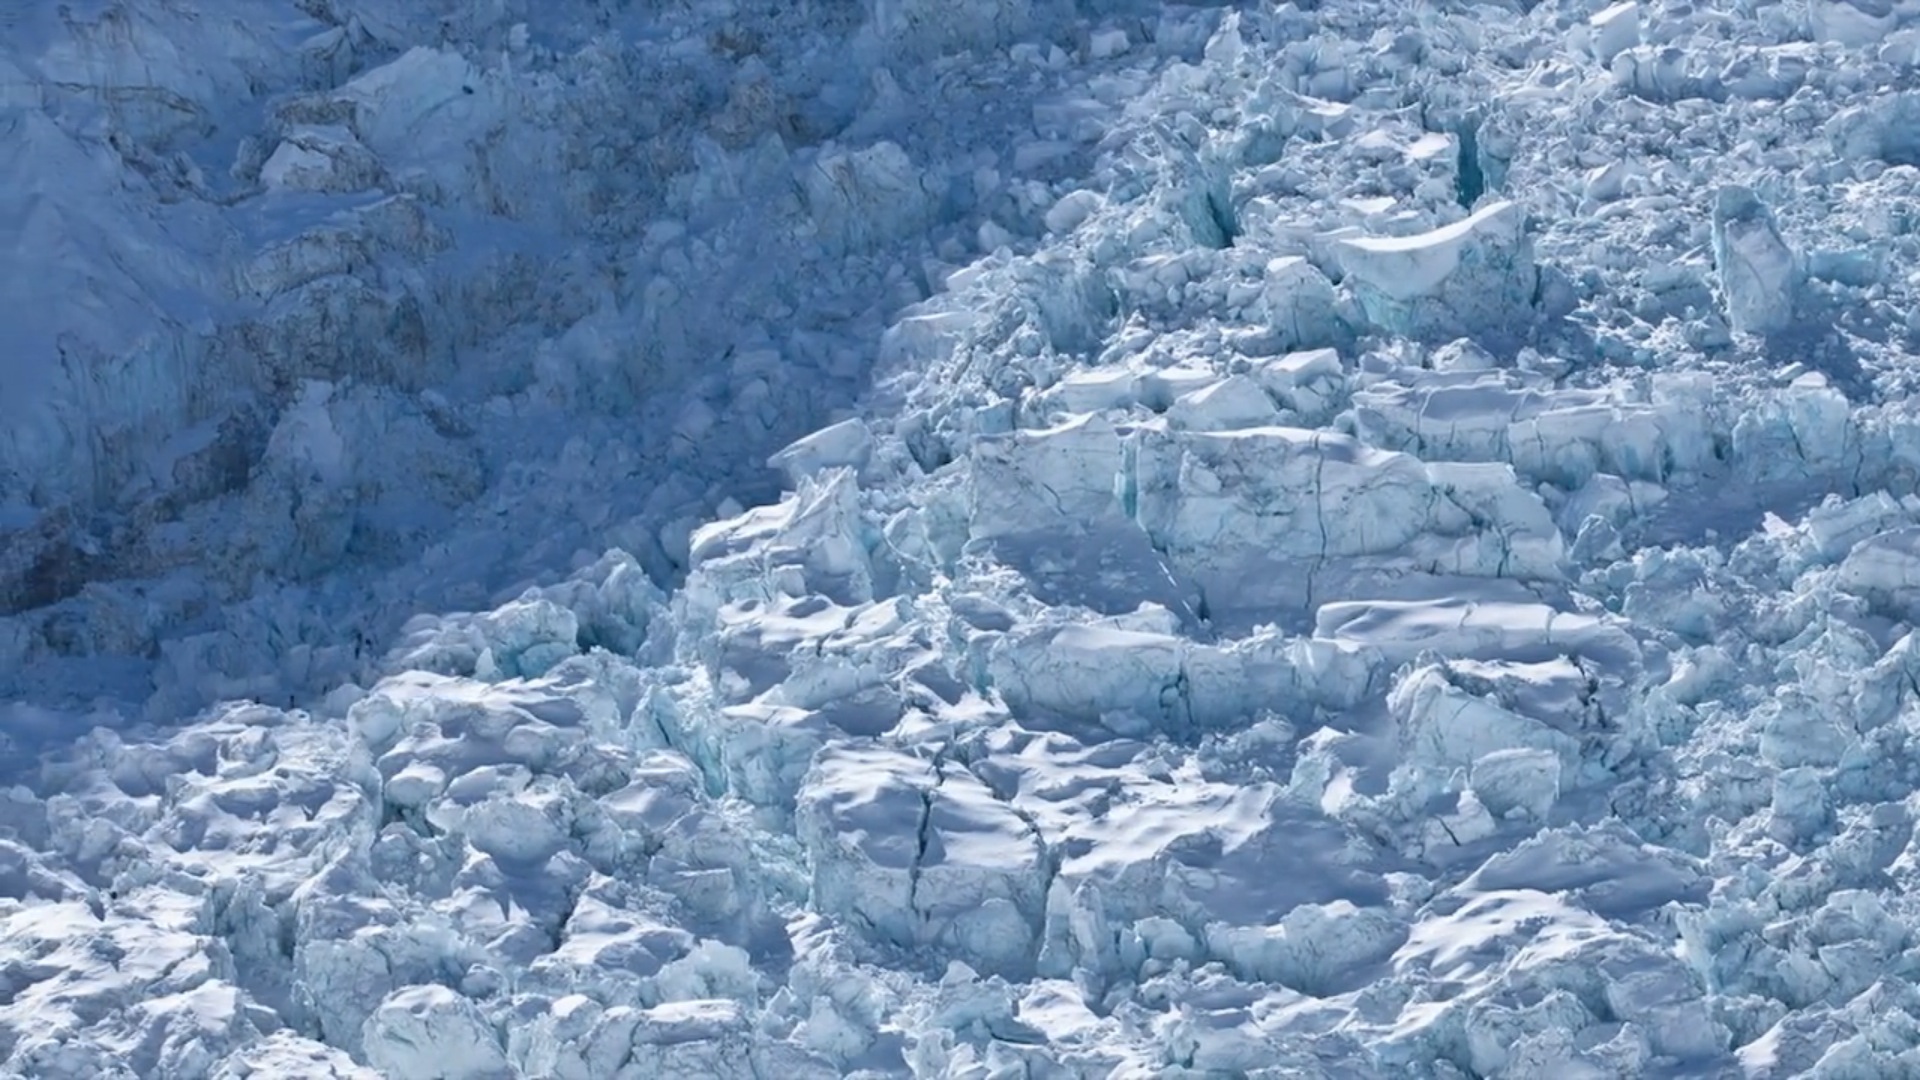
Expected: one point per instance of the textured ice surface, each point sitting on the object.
(1757, 270)
(1004, 538)
(1474, 275)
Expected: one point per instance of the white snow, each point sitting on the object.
(999, 538)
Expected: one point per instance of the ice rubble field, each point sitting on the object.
(959, 538)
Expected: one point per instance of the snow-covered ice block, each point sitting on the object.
(1058, 478)
(428, 730)
(1452, 416)
(1854, 23)
(1073, 209)
(1301, 305)
(1518, 780)
(323, 158)
(1886, 569)
(923, 855)
(1605, 183)
(1474, 278)
(1402, 629)
(1611, 499)
(1092, 390)
(523, 829)
(812, 654)
(1107, 43)
(923, 338)
(432, 112)
(1310, 383)
(1317, 949)
(1806, 428)
(862, 198)
(1759, 274)
(433, 1033)
(1238, 401)
(1187, 869)
(765, 750)
(577, 1039)
(1095, 673)
(1568, 442)
(1608, 868)
(1657, 73)
(1613, 30)
(847, 444)
(608, 943)
(1161, 387)
(283, 1053)
(664, 787)
(1252, 515)
(1885, 129)
(1444, 724)
(1484, 523)
(1836, 525)
(1258, 506)
(811, 542)
(704, 1039)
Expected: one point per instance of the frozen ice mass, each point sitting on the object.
(972, 539)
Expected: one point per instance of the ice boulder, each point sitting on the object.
(811, 542)
(847, 444)
(1251, 517)
(1446, 725)
(1094, 673)
(1310, 383)
(1759, 275)
(433, 1033)
(923, 857)
(1301, 305)
(1885, 129)
(321, 158)
(710, 1038)
(1886, 570)
(1258, 506)
(1517, 781)
(1474, 278)
(1855, 23)
(862, 198)
(1039, 480)
(1614, 30)
(1237, 401)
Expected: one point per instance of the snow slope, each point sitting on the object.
(1003, 538)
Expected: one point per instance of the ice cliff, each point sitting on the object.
(1001, 538)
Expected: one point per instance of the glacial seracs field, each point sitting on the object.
(965, 539)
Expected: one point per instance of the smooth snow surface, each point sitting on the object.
(959, 538)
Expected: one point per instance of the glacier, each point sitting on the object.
(965, 539)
